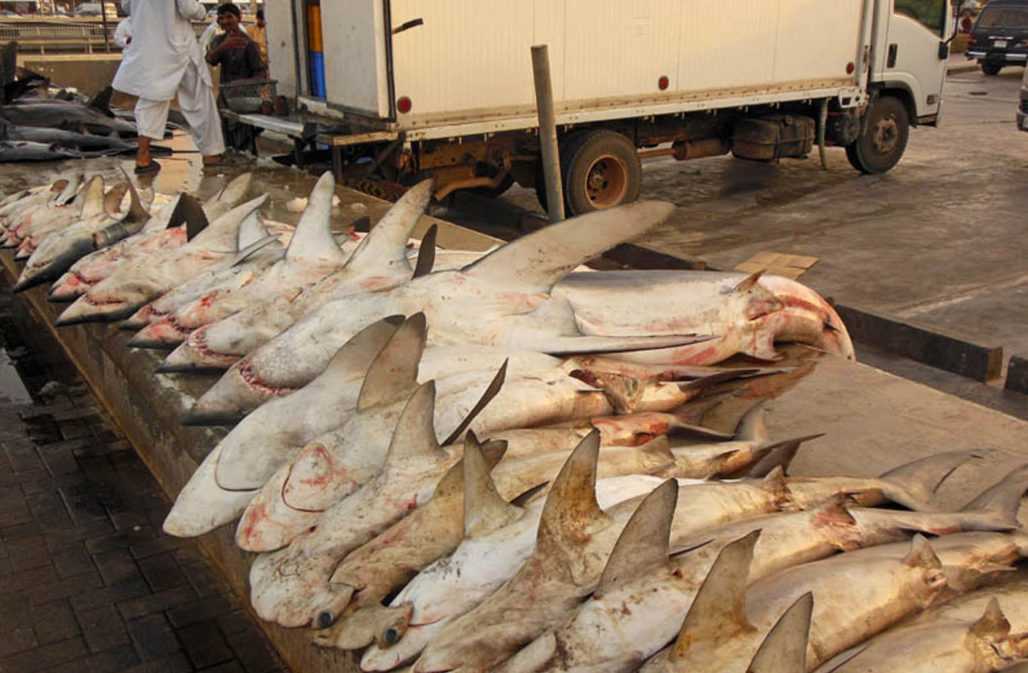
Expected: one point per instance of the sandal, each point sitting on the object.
(151, 168)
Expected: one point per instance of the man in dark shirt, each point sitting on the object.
(238, 55)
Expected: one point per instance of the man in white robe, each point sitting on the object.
(162, 62)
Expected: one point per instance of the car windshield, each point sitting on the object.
(1004, 17)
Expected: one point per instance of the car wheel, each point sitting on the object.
(991, 69)
(887, 129)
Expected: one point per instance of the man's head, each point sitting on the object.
(260, 17)
(228, 17)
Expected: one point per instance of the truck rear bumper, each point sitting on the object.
(999, 57)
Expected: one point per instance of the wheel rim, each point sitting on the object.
(886, 135)
(606, 181)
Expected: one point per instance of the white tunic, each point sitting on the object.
(163, 46)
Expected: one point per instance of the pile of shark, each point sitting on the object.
(503, 460)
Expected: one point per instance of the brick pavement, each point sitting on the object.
(88, 583)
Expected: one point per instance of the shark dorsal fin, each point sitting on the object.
(914, 484)
(386, 243)
(784, 650)
(491, 391)
(484, 509)
(137, 212)
(451, 486)
(719, 609)
(252, 249)
(70, 190)
(644, 543)
(414, 436)
(190, 213)
(571, 508)
(362, 348)
(993, 624)
(312, 239)
(537, 261)
(752, 427)
(250, 231)
(426, 253)
(112, 200)
(93, 198)
(223, 233)
(101, 102)
(748, 282)
(921, 554)
(393, 373)
(232, 193)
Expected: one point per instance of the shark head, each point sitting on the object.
(234, 395)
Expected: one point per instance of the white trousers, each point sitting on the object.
(196, 100)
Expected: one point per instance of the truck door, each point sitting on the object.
(917, 52)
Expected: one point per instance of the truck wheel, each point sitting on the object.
(991, 69)
(600, 170)
(884, 139)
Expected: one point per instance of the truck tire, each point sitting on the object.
(884, 139)
(991, 69)
(601, 169)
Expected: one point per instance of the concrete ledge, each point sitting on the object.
(1017, 375)
(929, 346)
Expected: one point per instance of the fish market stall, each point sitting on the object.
(629, 399)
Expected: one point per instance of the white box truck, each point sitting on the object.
(402, 89)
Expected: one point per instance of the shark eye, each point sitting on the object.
(325, 619)
(391, 635)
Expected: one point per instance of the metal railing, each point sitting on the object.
(44, 37)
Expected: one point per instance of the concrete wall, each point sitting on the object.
(89, 73)
(282, 46)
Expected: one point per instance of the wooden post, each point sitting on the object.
(103, 20)
(548, 132)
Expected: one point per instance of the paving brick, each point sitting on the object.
(137, 607)
(153, 637)
(109, 595)
(159, 545)
(176, 663)
(18, 640)
(116, 566)
(120, 540)
(54, 622)
(64, 588)
(15, 612)
(72, 561)
(31, 578)
(113, 660)
(205, 609)
(204, 644)
(103, 628)
(28, 552)
(230, 667)
(252, 650)
(46, 657)
(162, 572)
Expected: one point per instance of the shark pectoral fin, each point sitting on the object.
(491, 391)
(532, 658)
(784, 650)
(484, 509)
(415, 429)
(644, 544)
(313, 237)
(426, 253)
(233, 192)
(914, 484)
(580, 345)
(393, 372)
(719, 609)
(537, 261)
(223, 232)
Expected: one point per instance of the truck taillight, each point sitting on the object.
(404, 105)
